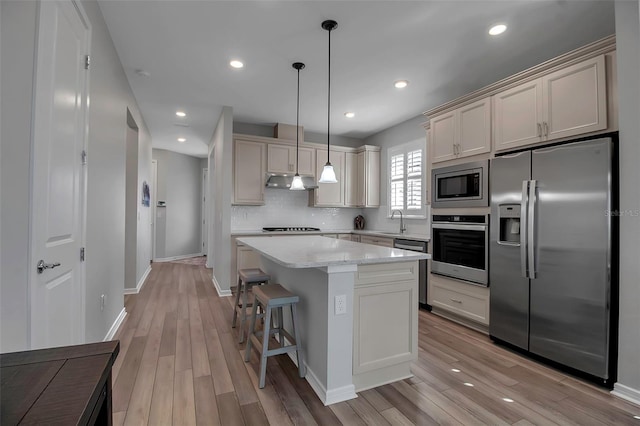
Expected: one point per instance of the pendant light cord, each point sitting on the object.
(329, 101)
(298, 123)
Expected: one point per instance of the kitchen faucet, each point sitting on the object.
(402, 228)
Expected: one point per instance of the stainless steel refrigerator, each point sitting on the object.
(550, 253)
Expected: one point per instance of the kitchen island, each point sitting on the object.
(358, 309)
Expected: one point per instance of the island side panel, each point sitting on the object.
(385, 339)
(326, 338)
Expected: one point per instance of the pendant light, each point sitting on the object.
(296, 184)
(328, 174)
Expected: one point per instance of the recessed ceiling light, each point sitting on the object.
(182, 140)
(498, 29)
(349, 114)
(236, 64)
(401, 84)
(181, 113)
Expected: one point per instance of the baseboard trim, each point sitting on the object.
(333, 396)
(141, 283)
(172, 258)
(221, 292)
(627, 393)
(116, 325)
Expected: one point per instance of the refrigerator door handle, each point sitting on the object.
(523, 229)
(531, 222)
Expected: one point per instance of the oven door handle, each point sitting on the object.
(523, 229)
(463, 226)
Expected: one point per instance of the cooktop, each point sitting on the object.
(290, 229)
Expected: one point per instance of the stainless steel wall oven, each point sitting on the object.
(461, 247)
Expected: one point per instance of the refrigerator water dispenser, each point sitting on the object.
(509, 223)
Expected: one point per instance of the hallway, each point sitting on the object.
(180, 363)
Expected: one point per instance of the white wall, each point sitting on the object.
(628, 45)
(17, 47)
(405, 132)
(110, 96)
(290, 208)
(220, 178)
(178, 229)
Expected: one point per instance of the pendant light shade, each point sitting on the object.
(296, 184)
(328, 174)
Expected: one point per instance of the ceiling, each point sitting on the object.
(441, 47)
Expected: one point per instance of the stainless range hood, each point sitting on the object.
(284, 181)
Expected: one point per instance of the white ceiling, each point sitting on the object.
(441, 47)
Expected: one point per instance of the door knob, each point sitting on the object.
(41, 266)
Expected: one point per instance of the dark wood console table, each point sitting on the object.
(68, 385)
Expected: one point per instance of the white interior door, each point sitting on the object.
(58, 183)
(154, 204)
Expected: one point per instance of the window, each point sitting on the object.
(406, 179)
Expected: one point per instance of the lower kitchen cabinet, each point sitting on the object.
(246, 258)
(385, 321)
(464, 300)
(377, 241)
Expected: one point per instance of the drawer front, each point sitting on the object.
(385, 273)
(377, 241)
(462, 303)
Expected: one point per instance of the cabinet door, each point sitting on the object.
(306, 161)
(474, 128)
(443, 137)
(279, 159)
(330, 194)
(247, 258)
(377, 241)
(248, 172)
(575, 99)
(371, 178)
(518, 116)
(352, 178)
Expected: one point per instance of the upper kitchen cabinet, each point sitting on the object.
(463, 132)
(568, 102)
(281, 159)
(330, 194)
(362, 177)
(249, 165)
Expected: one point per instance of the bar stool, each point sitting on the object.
(247, 278)
(270, 297)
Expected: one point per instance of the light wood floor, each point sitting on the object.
(179, 363)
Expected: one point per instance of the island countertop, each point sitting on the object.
(302, 251)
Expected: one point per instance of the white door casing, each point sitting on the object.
(205, 173)
(58, 185)
(154, 205)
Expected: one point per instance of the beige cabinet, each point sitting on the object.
(362, 178)
(249, 165)
(385, 321)
(281, 159)
(330, 194)
(567, 102)
(464, 300)
(346, 237)
(463, 132)
(351, 180)
(376, 241)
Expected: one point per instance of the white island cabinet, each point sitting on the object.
(374, 340)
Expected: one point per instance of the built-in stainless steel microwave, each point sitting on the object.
(462, 185)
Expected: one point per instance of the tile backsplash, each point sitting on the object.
(290, 208)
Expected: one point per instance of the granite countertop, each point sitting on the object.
(312, 251)
(373, 233)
